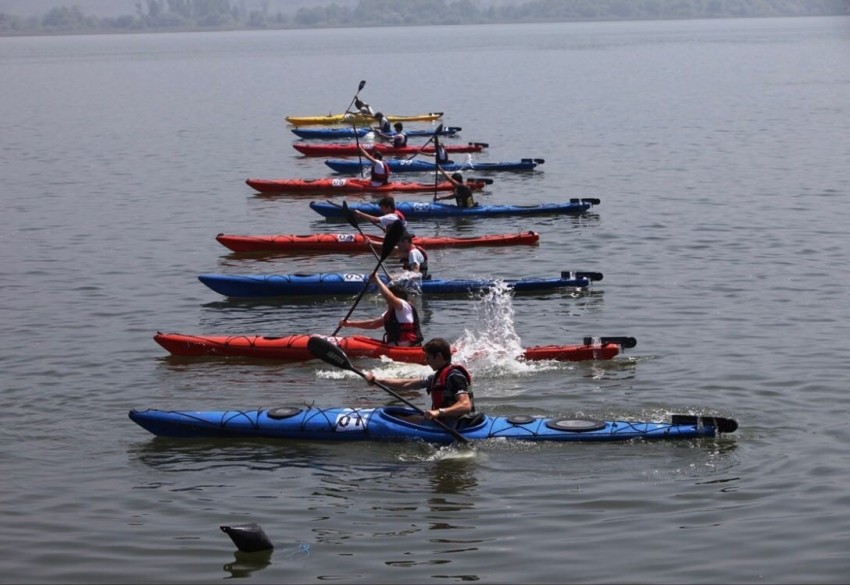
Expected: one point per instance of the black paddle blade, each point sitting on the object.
(723, 425)
(361, 86)
(625, 342)
(349, 215)
(594, 276)
(328, 352)
(391, 239)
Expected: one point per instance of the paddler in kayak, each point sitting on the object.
(384, 126)
(462, 194)
(389, 214)
(364, 108)
(380, 171)
(440, 154)
(413, 258)
(400, 321)
(397, 139)
(450, 386)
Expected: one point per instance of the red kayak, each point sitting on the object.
(350, 149)
(351, 185)
(360, 243)
(294, 348)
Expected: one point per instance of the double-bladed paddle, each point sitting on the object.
(333, 355)
(433, 136)
(352, 219)
(359, 154)
(391, 239)
(354, 124)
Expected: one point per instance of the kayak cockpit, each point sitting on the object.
(409, 418)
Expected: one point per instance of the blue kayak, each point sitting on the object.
(338, 283)
(428, 209)
(349, 132)
(386, 424)
(403, 165)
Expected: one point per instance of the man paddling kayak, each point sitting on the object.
(389, 214)
(413, 258)
(450, 386)
(462, 194)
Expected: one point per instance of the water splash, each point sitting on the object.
(490, 350)
(410, 281)
(493, 346)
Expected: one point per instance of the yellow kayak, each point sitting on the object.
(358, 119)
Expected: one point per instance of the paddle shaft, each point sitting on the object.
(352, 219)
(359, 154)
(436, 164)
(433, 137)
(392, 237)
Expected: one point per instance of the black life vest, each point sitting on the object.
(463, 196)
(396, 331)
(440, 398)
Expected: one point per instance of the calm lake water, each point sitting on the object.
(720, 152)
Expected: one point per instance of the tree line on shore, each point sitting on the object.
(180, 15)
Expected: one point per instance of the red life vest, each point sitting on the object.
(396, 331)
(438, 387)
(380, 172)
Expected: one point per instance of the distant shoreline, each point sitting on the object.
(166, 30)
(167, 16)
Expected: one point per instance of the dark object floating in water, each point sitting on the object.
(248, 537)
